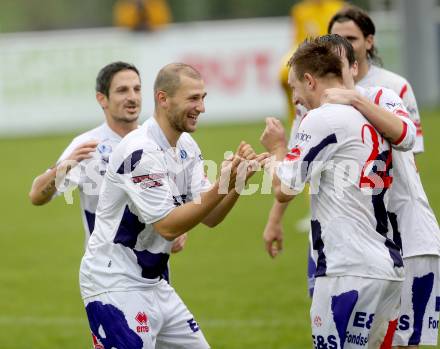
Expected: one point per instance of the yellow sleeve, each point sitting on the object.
(311, 18)
(125, 14)
(158, 13)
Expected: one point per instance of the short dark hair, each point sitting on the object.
(340, 43)
(316, 57)
(106, 74)
(363, 21)
(168, 78)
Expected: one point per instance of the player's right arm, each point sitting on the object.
(185, 217)
(144, 176)
(309, 156)
(43, 187)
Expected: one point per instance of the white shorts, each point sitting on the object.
(354, 312)
(419, 315)
(146, 319)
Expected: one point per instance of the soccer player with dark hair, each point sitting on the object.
(84, 162)
(356, 26)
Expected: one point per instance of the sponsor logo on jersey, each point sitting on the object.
(317, 321)
(183, 154)
(179, 199)
(433, 323)
(401, 112)
(363, 320)
(142, 319)
(105, 150)
(321, 342)
(149, 180)
(404, 323)
(393, 104)
(193, 325)
(303, 137)
(357, 339)
(293, 154)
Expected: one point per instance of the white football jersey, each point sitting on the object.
(415, 227)
(88, 175)
(414, 224)
(145, 180)
(386, 99)
(377, 76)
(348, 165)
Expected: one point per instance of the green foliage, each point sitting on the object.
(241, 297)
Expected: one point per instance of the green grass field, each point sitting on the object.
(241, 298)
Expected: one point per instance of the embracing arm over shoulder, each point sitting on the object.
(386, 113)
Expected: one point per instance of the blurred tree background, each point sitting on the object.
(30, 15)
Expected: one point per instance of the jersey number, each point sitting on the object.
(375, 172)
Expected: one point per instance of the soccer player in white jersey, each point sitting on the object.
(409, 210)
(157, 171)
(348, 164)
(118, 92)
(357, 27)
(400, 131)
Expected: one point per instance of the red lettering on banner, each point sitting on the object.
(231, 73)
(262, 62)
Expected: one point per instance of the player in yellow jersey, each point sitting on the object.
(310, 18)
(142, 14)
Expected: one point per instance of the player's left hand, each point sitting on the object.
(273, 137)
(179, 243)
(339, 96)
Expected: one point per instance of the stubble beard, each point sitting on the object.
(177, 123)
(125, 119)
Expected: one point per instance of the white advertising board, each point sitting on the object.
(47, 78)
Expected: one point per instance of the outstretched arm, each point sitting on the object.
(187, 216)
(43, 186)
(250, 163)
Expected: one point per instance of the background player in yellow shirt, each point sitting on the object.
(310, 18)
(142, 14)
